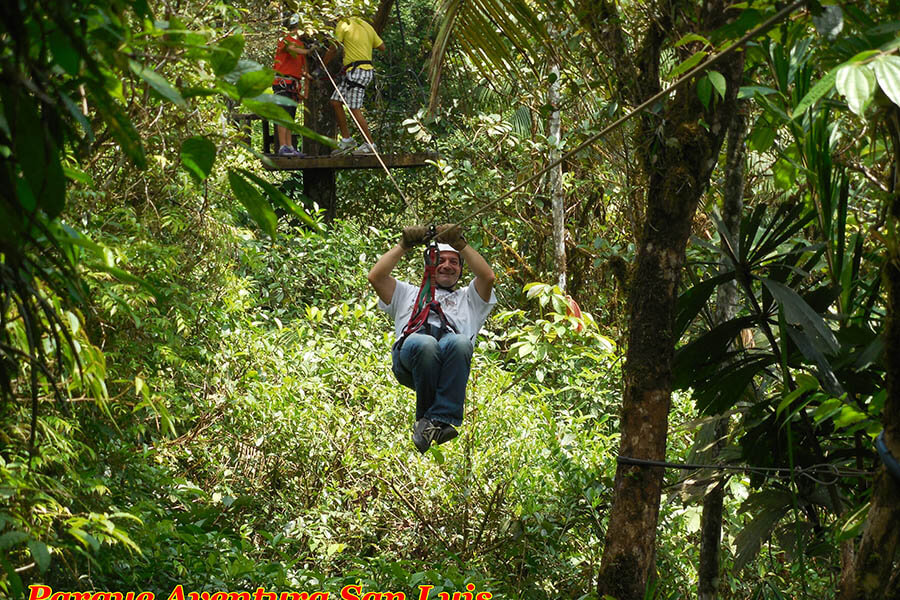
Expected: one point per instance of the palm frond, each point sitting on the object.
(497, 36)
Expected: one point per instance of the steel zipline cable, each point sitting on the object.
(365, 137)
(809, 472)
(777, 17)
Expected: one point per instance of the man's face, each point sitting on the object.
(448, 269)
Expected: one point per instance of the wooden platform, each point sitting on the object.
(348, 161)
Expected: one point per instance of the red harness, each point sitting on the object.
(423, 307)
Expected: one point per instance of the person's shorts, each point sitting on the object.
(287, 90)
(353, 87)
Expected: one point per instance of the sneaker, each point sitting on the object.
(426, 431)
(364, 149)
(290, 151)
(344, 147)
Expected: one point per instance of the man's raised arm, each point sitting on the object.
(380, 273)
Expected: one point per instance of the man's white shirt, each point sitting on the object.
(464, 308)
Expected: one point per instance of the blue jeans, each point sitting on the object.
(438, 370)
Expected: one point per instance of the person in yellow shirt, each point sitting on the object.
(358, 39)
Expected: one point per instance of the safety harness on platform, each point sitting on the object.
(425, 302)
(349, 82)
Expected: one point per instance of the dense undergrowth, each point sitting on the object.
(252, 434)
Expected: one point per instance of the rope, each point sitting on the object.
(678, 83)
(807, 472)
(359, 126)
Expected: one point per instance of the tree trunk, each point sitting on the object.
(726, 308)
(875, 573)
(679, 160)
(557, 200)
(320, 185)
(381, 15)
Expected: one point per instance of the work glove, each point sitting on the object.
(413, 236)
(450, 233)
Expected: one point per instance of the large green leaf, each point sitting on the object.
(812, 352)
(692, 300)
(707, 349)
(119, 124)
(856, 83)
(718, 82)
(157, 82)
(750, 91)
(267, 110)
(11, 539)
(256, 205)
(226, 54)
(725, 388)
(37, 154)
(268, 107)
(704, 91)
(40, 554)
(774, 505)
(254, 83)
(822, 87)
(198, 154)
(278, 198)
(798, 312)
(687, 65)
(64, 54)
(887, 72)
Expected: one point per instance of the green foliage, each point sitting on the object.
(208, 388)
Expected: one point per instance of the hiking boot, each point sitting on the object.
(426, 431)
(344, 147)
(364, 149)
(447, 433)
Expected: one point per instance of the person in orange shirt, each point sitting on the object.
(290, 78)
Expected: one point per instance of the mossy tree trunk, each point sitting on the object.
(678, 159)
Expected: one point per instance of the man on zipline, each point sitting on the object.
(358, 39)
(433, 356)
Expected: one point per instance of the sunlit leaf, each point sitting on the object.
(887, 72)
(692, 37)
(718, 82)
(856, 83)
(254, 83)
(687, 65)
(278, 198)
(226, 54)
